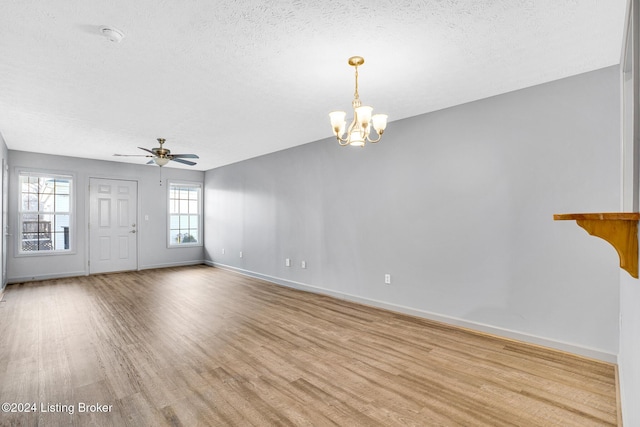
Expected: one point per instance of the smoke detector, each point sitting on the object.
(113, 34)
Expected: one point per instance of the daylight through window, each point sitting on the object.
(45, 212)
(185, 214)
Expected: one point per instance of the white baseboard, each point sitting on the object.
(40, 277)
(171, 264)
(475, 326)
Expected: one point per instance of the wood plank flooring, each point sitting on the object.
(203, 346)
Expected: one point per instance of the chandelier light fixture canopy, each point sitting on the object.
(359, 130)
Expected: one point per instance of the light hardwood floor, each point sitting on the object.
(203, 346)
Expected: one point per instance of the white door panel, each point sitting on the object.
(113, 234)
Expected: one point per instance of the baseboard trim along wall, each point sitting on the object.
(474, 326)
(40, 277)
(171, 264)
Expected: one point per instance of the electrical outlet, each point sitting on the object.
(222, 251)
(240, 254)
(387, 279)
(287, 262)
(303, 264)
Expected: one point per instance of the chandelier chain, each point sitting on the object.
(355, 94)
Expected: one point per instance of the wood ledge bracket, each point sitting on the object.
(620, 229)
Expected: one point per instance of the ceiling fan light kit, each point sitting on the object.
(358, 133)
(161, 161)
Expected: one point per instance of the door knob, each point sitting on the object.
(132, 231)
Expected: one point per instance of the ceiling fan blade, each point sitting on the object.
(150, 162)
(132, 155)
(186, 162)
(147, 150)
(185, 156)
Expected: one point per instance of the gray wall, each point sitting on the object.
(456, 205)
(152, 234)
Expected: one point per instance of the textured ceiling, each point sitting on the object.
(231, 80)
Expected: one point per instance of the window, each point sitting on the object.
(185, 215)
(45, 212)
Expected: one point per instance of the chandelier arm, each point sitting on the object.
(375, 140)
(347, 139)
(354, 123)
(343, 142)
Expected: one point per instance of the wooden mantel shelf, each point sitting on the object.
(620, 229)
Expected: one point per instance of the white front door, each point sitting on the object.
(113, 231)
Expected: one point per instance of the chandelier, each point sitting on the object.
(359, 130)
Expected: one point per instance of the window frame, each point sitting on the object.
(195, 185)
(43, 173)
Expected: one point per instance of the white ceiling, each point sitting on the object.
(235, 79)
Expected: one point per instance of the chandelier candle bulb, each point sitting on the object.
(358, 133)
(379, 122)
(364, 115)
(338, 122)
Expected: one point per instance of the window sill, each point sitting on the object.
(195, 245)
(43, 253)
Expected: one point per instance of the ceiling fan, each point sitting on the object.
(161, 156)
